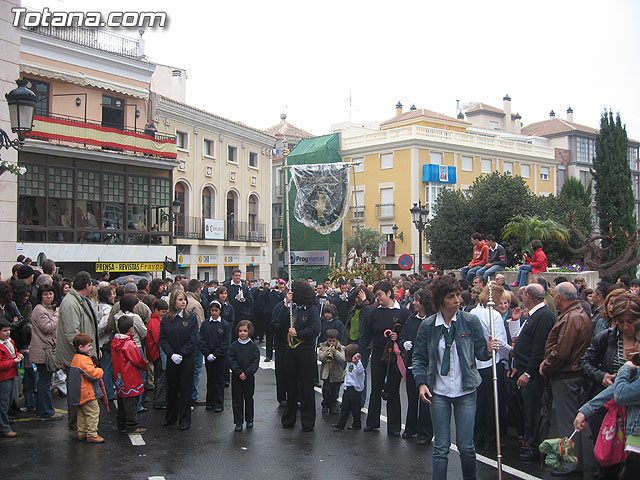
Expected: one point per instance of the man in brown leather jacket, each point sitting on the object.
(567, 341)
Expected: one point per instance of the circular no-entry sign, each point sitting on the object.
(405, 262)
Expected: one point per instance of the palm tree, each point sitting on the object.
(525, 229)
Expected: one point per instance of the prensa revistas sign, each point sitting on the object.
(308, 257)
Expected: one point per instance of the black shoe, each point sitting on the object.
(529, 454)
(393, 434)
(185, 427)
(288, 426)
(337, 426)
(282, 404)
(406, 435)
(354, 427)
(143, 409)
(334, 410)
(564, 473)
(238, 427)
(217, 410)
(198, 403)
(267, 359)
(424, 441)
(168, 424)
(249, 424)
(307, 429)
(325, 410)
(226, 384)
(370, 429)
(209, 407)
(160, 407)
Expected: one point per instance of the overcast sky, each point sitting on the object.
(252, 60)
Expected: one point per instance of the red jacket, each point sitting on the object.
(480, 254)
(127, 362)
(153, 335)
(538, 262)
(8, 367)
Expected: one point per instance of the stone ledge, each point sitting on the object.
(592, 277)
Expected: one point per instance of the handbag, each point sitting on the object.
(609, 448)
(49, 353)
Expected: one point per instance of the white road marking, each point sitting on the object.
(136, 439)
(156, 478)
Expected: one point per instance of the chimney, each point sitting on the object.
(517, 124)
(413, 107)
(569, 114)
(552, 115)
(398, 109)
(506, 102)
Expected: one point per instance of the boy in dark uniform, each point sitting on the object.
(215, 337)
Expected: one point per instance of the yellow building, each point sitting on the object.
(403, 161)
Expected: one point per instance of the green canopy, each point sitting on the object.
(311, 151)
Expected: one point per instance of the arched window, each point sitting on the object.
(181, 190)
(233, 231)
(208, 203)
(253, 212)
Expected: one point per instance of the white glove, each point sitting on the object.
(175, 358)
(240, 296)
(408, 345)
(211, 357)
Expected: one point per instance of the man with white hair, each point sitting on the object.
(500, 280)
(567, 341)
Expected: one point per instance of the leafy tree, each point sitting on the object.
(366, 242)
(614, 194)
(526, 229)
(573, 189)
(449, 230)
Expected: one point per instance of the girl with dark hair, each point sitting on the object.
(418, 413)
(536, 264)
(44, 320)
(178, 340)
(228, 314)
(382, 331)
(444, 368)
(300, 356)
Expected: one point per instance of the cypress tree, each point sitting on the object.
(612, 176)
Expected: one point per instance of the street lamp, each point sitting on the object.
(176, 205)
(22, 104)
(419, 217)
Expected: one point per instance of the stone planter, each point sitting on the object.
(592, 277)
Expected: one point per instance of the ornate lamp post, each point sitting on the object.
(419, 217)
(22, 104)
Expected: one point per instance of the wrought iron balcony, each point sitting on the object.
(384, 210)
(193, 228)
(356, 213)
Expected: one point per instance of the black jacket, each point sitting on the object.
(363, 318)
(306, 323)
(498, 256)
(215, 338)
(600, 357)
(280, 330)
(409, 333)
(179, 335)
(244, 358)
(529, 348)
(271, 297)
(242, 309)
(380, 320)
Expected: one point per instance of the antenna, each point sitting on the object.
(349, 105)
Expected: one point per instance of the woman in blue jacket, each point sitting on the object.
(444, 368)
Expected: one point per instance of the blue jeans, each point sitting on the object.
(198, 360)
(29, 382)
(44, 404)
(523, 273)
(485, 272)
(6, 392)
(106, 362)
(467, 273)
(464, 409)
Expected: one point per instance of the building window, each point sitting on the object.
(562, 177)
(41, 89)
(435, 158)
(232, 154)
(585, 178)
(207, 203)
(386, 160)
(209, 148)
(467, 164)
(358, 204)
(431, 192)
(112, 112)
(507, 168)
(253, 215)
(276, 215)
(278, 182)
(485, 165)
(253, 159)
(585, 149)
(386, 203)
(544, 173)
(525, 171)
(181, 140)
(632, 155)
(494, 125)
(358, 165)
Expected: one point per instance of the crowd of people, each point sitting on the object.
(566, 348)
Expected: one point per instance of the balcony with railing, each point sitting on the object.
(276, 234)
(384, 210)
(66, 130)
(356, 213)
(193, 228)
(417, 132)
(96, 38)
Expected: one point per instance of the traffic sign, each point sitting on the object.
(405, 262)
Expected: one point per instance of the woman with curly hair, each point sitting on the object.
(300, 356)
(606, 319)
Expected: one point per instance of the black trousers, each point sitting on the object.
(531, 395)
(215, 382)
(257, 318)
(381, 371)
(350, 405)
(281, 378)
(127, 417)
(242, 398)
(179, 385)
(299, 366)
(330, 391)
(418, 412)
(268, 334)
